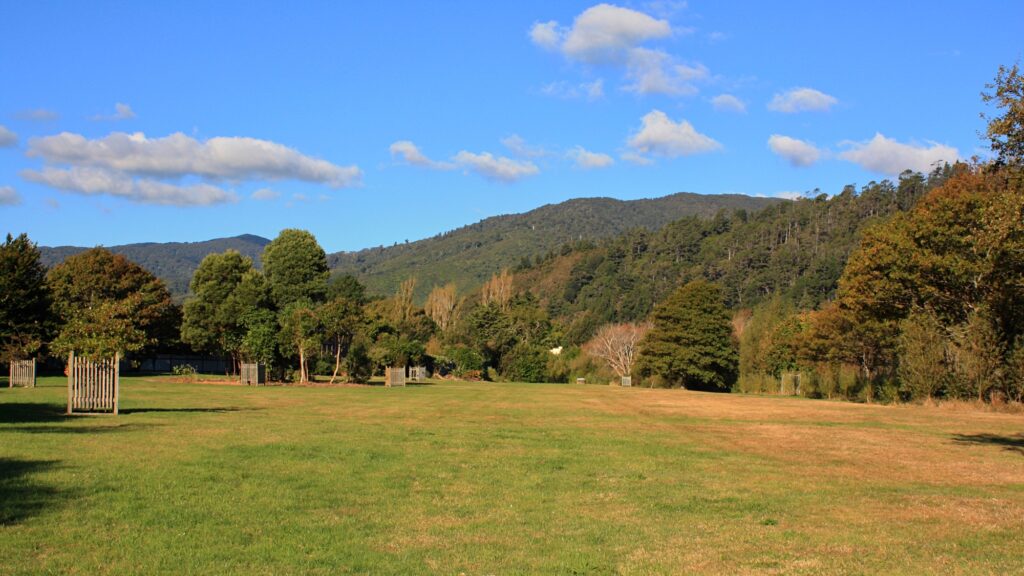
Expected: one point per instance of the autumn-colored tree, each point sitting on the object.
(1006, 132)
(441, 305)
(106, 303)
(402, 306)
(498, 290)
(617, 345)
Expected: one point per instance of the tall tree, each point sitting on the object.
(300, 331)
(101, 296)
(441, 306)
(923, 364)
(1006, 132)
(24, 299)
(691, 342)
(213, 319)
(498, 290)
(296, 268)
(341, 319)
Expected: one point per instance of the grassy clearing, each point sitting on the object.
(482, 478)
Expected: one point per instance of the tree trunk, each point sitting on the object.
(302, 365)
(337, 361)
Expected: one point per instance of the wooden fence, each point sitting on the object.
(93, 384)
(626, 381)
(417, 373)
(394, 376)
(23, 373)
(254, 374)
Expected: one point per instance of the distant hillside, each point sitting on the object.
(469, 255)
(173, 262)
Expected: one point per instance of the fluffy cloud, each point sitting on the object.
(178, 155)
(410, 154)
(121, 112)
(797, 152)
(887, 156)
(518, 146)
(92, 181)
(802, 100)
(9, 196)
(589, 90)
(588, 160)
(546, 35)
(265, 194)
(7, 138)
(496, 168)
(605, 33)
(655, 72)
(660, 136)
(728, 103)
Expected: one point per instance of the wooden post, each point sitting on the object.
(117, 380)
(71, 380)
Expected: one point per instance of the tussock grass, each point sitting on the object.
(483, 478)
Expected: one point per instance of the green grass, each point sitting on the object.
(482, 478)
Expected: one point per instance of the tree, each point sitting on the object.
(617, 345)
(341, 319)
(498, 290)
(213, 317)
(296, 268)
(403, 306)
(979, 354)
(690, 343)
(441, 306)
(923, 365)
(300, 331)
(24, 299)
(107, 303)
(1006, 132)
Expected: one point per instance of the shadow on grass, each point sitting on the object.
(21, 496)
(1011, 443)
(187, 410)
(69, 429)
(27, 412)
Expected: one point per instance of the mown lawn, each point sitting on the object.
(482, 478)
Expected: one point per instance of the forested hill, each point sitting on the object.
(469, 255)
(793, 250)
(173, 262)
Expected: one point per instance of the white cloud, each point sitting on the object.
(802, 100)
(9, 196)
(546, 35)
(797, 152)
(178, 155)
(518, 146)
(121, 112)
(634, 158)
(495, 168)
(655, 72)
(409, 153)
(660, 136)
(885, 155)
(728, 103)
(605, 33)
(37, 115)
(7, 138)
(265, 194)
(93, 181)
(589, 90)
(588, 160)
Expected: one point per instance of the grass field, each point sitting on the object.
(482, 478)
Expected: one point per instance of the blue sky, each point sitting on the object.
(370, 123)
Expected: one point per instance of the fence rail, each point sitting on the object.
(93, 385)
(23, 373)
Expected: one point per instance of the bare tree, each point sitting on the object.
(617, 345)
(498, 290)
(441, 306)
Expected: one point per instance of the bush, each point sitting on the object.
(358, 363)
(185, 370)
